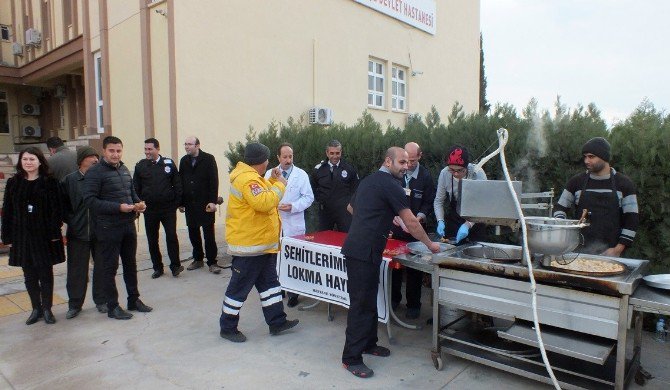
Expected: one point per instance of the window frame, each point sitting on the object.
(396, 83)
(378, 79)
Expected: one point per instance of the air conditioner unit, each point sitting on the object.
(320, 116)
(17, 49)
(33, 37)
(31, 131)
(30, 109)
(60, 92)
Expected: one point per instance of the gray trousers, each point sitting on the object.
(79, 253)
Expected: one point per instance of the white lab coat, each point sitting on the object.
(300, 196)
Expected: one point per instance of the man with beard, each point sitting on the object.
(610, 198)
(379, 198)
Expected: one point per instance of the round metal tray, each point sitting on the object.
(592, 273)
(494, 253)
(658, 281)
(419, 248)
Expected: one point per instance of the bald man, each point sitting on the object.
(378, 199)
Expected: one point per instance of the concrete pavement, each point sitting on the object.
(178, 346)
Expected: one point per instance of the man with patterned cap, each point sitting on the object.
(252, 234)
(609, 197)
(450, 224)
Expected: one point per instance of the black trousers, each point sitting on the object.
(210, 243)
(40, 285)
(331, 216)
(361, 333)
(247, 272)
(152, 222)
(412, 287)
(79, 253)
(118, 241)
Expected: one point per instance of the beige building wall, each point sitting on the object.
(160, 80)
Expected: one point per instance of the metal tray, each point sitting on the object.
(494, 253)
(419, 248)
(592, 273)
(658, 281)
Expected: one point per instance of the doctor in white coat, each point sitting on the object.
(297, 198)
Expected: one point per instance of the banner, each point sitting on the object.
(319, 271)
(417, 13)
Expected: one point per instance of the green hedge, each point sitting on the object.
(544, 150)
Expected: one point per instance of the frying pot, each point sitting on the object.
(553, 236)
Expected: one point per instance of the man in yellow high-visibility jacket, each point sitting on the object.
(252, 234)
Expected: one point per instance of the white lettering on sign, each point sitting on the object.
(416, 13)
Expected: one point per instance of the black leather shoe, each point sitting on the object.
(73, 312)
(119, 314)
(292, 301)
(138, 305)
(35, 316)
(177, 271)
(102, 308)
(275, 330)
(235, 337)
(156, 274)
(49, 317)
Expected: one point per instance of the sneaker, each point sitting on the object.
(235, 337)
(275, 330)
(412, 313)
(214, 269)
(195, 265)
(359, 370)
(378, 351)
(177, 271)
(138, 305)
(102, 308)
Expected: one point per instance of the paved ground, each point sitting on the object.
(178, 346)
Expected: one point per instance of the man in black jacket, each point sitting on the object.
(158, 184)
(110, 194)
(333, 182)
(200, 184)
(420, 191)
(80, 238)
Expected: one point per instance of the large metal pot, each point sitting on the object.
(553, 236)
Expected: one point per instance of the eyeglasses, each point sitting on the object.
(187, 144)
(459, 170)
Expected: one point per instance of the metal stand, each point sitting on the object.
(314, 304)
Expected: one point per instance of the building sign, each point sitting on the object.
(416, 13)
(319, 271)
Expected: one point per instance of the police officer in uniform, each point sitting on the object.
(377, 201)
(158, 184)
(334, 181)
(420, 191)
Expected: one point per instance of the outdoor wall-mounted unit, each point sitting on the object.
(31, 131)
(320, 116)
(33, 37)
(17, 49)
(30, 109)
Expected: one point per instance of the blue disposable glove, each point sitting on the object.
(463, 232)
(440, 228)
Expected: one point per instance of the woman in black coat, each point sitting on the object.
(31, 222)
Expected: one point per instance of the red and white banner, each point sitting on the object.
(417, 13)
(316, 268)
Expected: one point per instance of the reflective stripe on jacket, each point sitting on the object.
(252, 219)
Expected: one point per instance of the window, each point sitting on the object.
(97, 63)
(67, 12)
(375, 84)
(46, 20)
(398, 88)
(4, 32)
(4, 113)
(61, 112)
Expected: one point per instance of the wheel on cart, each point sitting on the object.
(437, 361)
